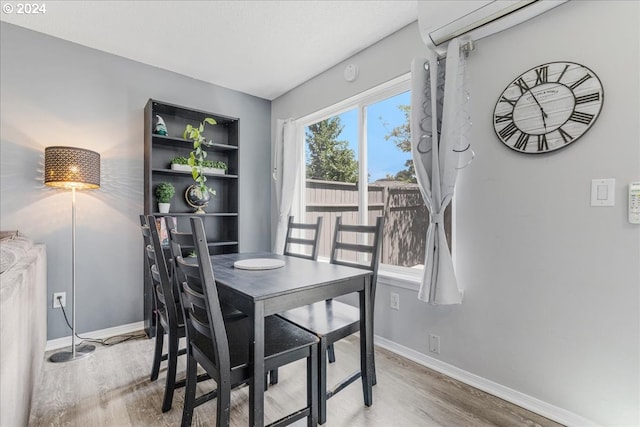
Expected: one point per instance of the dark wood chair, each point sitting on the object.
(307, 237)
(169, 319)
(353, 246)
(221, 346)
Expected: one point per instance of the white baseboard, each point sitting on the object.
(100, 334)
(532, 404)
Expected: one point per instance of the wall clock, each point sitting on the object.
(548, 107)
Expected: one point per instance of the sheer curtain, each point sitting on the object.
(439, 120)
(286, 169)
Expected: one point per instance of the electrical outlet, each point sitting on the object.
(394, 302)
(434, 343)
(63, 299)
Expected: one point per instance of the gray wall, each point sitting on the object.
(551, 284)
(59, 93)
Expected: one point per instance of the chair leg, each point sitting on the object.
(190, 390)
(312, 386)
(224, 402)
(172, 362)
(322, 380)
(374, 380)
(157, 353)
(332, 353)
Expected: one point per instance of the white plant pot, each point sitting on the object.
(187, 168)
(214, 171)
(183, 168)
(164, 207)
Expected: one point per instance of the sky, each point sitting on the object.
(384, 157)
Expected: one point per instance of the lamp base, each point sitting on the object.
(82, 351)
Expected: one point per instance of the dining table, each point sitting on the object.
(263, 292)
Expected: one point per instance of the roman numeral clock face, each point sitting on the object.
(548, 107)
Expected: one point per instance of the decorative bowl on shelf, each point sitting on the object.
(196, 198)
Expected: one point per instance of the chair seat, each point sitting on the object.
(280, 338)
(326, 318)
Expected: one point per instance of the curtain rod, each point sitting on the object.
(465, 48)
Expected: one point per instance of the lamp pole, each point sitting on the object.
(83, 350)
(73, 272)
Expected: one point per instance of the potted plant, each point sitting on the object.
(215, 167)
(208, 166)
(164, 192)
(198, 195)
(180, 164)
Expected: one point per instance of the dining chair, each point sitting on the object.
(222, 347)
(169, 319)
(354, 246)
(302, 241)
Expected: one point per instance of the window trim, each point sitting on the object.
(385, 90)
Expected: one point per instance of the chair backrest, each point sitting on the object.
(200, 303)
(161, 280)
(297, 235)
(146, 235)
(358, 246)
(178, 243)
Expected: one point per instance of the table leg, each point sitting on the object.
(257, 384)
(366, 342)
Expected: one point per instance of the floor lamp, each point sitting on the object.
(76, 169)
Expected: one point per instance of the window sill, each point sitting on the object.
(400, 277)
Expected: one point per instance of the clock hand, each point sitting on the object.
(544, 115)
(544, 122)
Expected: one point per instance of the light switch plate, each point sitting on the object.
(603, 192)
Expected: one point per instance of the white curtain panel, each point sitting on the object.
(439, 120)
(286, 167)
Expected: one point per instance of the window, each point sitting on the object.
(358, 165)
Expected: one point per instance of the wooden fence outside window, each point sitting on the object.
(406, 218)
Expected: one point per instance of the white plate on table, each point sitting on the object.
(259, 264)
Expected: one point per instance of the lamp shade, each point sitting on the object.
(71, 167)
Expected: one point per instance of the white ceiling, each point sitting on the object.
(263, 48)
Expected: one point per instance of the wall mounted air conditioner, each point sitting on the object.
(440, 22)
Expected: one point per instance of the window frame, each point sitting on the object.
(404, 277)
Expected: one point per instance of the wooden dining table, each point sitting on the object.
(261, 293)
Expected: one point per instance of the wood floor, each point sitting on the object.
(112, 388)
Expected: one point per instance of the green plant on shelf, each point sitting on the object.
(179, 161)
(198, 155)
(214, 164)
(164, 192)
